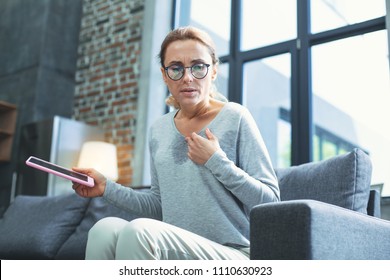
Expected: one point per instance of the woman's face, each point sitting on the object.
(189, 90)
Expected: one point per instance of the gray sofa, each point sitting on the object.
(322, 216)
(327, 212)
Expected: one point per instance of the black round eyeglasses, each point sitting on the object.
(176, 72)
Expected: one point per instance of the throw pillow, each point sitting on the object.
(35, 227)
(342, 180)
(98, 208)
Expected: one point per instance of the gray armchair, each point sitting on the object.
(327, 212)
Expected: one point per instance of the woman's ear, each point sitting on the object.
(214, 72)
(164, 74)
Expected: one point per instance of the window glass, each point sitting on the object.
(351, 99)
(316, 148)
(267, 22)
(266, 93)
(211, 16)
(329, 149)
(330, 14)
(284, 143)
(222, 79)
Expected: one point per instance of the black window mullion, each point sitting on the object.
(348, 31)
(267, 51)
(301, 107)
(235, 61)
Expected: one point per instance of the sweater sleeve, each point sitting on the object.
(251, 178)
(145, 203)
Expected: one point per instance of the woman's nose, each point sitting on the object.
(187, 77)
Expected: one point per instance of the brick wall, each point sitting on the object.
(108, 71)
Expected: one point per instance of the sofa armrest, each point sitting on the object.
(309, 229)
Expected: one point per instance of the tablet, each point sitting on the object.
(60, 171)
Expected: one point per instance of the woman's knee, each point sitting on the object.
(106, 228)
(137, 240)
(102, 238)
(138, 227)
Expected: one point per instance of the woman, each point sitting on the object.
(209, 167)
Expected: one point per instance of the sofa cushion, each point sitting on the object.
(35, 227)
(342, 180)
(98, 208)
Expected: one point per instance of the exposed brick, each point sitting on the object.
(107, 72)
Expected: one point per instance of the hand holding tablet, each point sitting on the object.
(60, 171)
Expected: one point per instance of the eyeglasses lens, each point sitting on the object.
(199, 71)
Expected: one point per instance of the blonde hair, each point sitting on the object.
(190, 33)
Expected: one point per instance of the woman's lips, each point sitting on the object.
(188, 92)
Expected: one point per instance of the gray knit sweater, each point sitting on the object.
(214, 199)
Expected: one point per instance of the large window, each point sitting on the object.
(267, 96)
(313, 73)
(351, 96)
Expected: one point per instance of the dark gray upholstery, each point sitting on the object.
(309, 229)
(322, 214)
(98, 208)
(36, 227)
(342, 180)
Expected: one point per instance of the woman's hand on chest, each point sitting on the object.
(200, 149)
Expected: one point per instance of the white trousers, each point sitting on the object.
(147, 239)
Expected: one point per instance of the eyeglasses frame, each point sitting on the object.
(188, 67)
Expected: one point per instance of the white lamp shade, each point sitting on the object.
(100, 156)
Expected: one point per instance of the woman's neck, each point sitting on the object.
(193, 112)
(189, 120)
